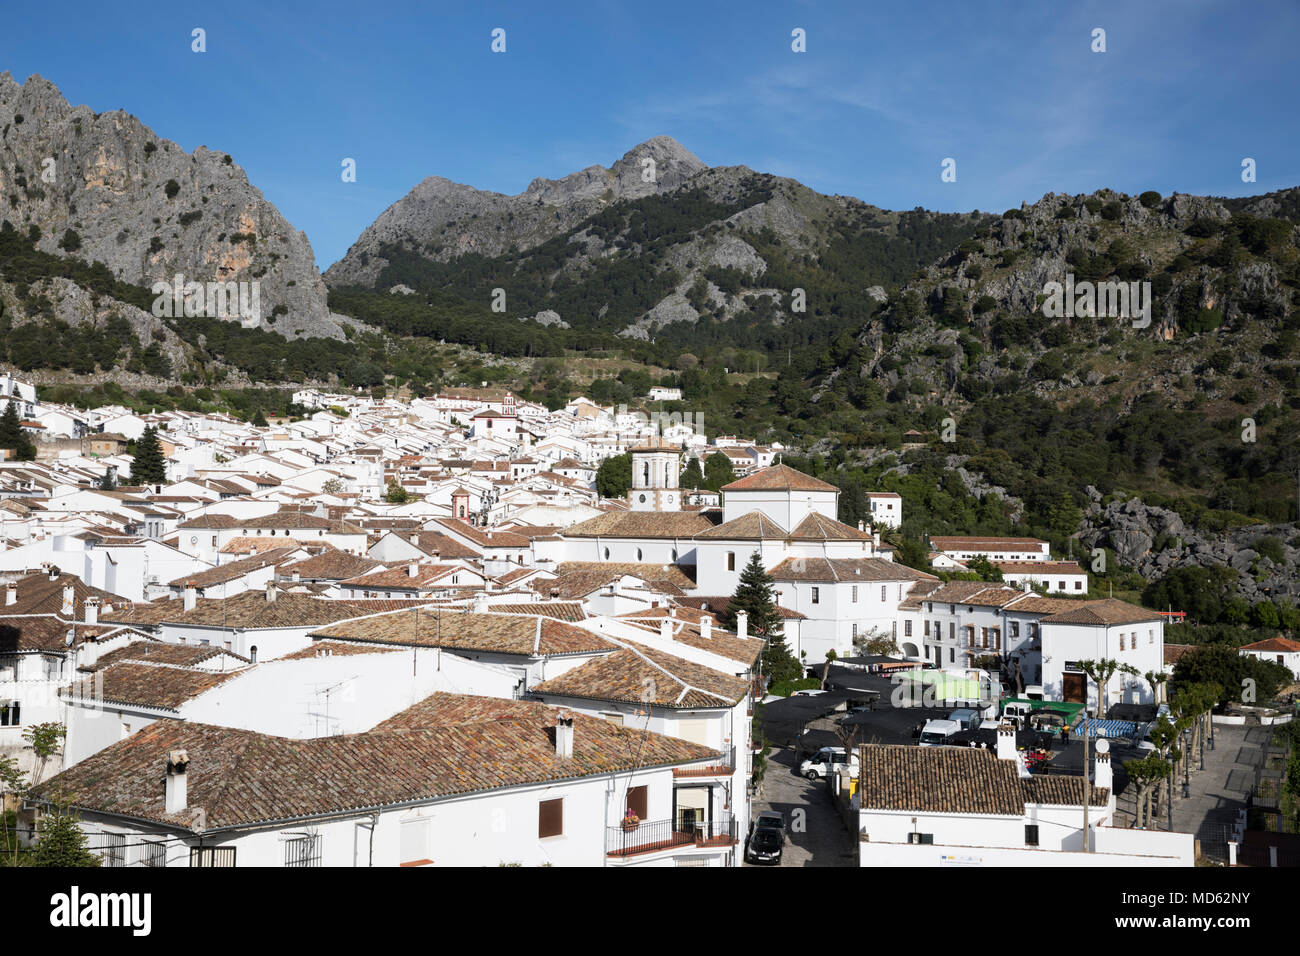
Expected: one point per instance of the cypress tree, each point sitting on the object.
(754, 595)
(149, 466)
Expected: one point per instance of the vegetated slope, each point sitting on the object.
(704, 257)
(1197, 413)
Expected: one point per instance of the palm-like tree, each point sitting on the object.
(1100, 672)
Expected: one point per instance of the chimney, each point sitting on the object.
(666, 628)
(270, 590)
(413, 569)
(1103, 776)
(177, 790)
(415, 538)
(69, 599)
(862, 526)
(52, 570)
(564, 735)
(742, 624)
(480, 603)
(1006, 742)
(297, 577)
(11, 593)
(92, 610)
(191, 595)
(706, 627)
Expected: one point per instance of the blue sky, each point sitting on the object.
(1010, 90)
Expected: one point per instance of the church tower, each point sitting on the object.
(656, 468)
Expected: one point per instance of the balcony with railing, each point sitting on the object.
(724, 766)
(656, 836)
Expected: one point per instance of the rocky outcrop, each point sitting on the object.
(103, 186)
(1153, 541)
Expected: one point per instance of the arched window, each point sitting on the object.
(638, 554)
(252, 653)
(674, 554)
(646, 472)
(607, 554)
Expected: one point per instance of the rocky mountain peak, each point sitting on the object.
(104, 187)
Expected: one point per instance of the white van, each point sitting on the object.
(936, 733)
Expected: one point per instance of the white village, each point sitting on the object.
(414, 634)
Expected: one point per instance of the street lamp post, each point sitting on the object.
(1187, 767)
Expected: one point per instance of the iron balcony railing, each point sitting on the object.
(651, 836)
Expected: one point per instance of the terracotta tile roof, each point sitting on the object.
(524, 635)
(157, 652)
(147, 613)
(48, 633)
(962, 543)
(572, 611)
(148, 685)
(718, 604)
(638, 674)
(1282, 645)
(484, 537)
(445, 746)
(956, 780)
(577, 579)
(779, 478)
(251, 609)
(656, 443)
(257, 545)
(331, 565)
(1175, 651)
(853, 570)
(644, 524)
(1039, 567)
(1034, 604)
(753, 526)
(399, 578)
(818, 527)
(234, 570)
(1105, 612)
(686, 630)
(337, 649)
(38, 593)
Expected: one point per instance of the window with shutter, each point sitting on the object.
(550, 818)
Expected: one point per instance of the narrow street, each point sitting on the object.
(815, 835)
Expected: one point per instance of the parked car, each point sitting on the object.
(765, 846)
(769, 820)
(807, 693)
(935, 733)
(827, 761)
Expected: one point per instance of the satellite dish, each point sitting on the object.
(1103, 746)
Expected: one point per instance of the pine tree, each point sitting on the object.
(259, 420)
(61, 842)
(12, 435)
(149, 466)
(692, 477)
(754, 595)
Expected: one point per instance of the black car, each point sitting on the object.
(765, 846)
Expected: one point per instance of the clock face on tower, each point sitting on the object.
(643, 499)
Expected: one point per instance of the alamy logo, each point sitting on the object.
(75, 909)
(1109, 300)
(214, 300)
